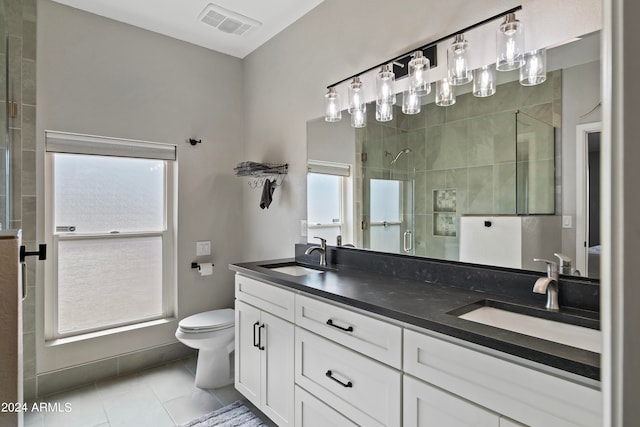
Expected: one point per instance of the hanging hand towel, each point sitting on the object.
(267, 193)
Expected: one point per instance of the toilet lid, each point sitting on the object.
(209, 320)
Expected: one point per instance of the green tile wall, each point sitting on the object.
(470, 146)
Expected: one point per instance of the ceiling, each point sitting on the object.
(180, 19)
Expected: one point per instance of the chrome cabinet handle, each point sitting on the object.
(407, 246)
(348, 384)
(330, 323)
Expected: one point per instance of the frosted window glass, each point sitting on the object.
(104, 282)
(385, 200)
(103, 194)
(385, 239)
(323, 198)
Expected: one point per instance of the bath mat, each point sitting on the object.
(235, 414)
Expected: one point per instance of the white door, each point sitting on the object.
(247, 354)
(427, 406)
(276, 337)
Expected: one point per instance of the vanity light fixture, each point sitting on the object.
(416, 64)
(534, 70)
(385, 86)
(410, 102)
(332, 109)
(510, 44)
(445, 95)
(384, 111)
(419, 74)
(359, 118)
(458, 61)
(484, 81)
(356, 98)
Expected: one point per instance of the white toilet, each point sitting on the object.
(212, 333)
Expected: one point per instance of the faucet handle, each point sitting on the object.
(562, 258)
(323, 242)
(552, 267)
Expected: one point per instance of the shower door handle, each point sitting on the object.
(407, 241)
(23, 265)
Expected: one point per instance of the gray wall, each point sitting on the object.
(101, 77)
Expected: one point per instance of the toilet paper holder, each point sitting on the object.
(195, 265)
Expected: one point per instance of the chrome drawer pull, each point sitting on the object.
(330, 375)
(330, 323)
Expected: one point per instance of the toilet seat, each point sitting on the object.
(208, 321)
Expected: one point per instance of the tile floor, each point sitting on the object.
(158, 397)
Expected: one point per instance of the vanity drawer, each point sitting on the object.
(525, 394)
(265, 296)
(312, 412)
(375, 338)
(361, 389)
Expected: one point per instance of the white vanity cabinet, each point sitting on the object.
(264, 351)
(306, 361)
(349, 361)
(474, 382)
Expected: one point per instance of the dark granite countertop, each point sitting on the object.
(428, 305)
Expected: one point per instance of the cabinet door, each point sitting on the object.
(247, 355)
(312, 412)
(277, 369)
(428, 406)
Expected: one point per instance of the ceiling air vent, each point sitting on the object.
(226, 20)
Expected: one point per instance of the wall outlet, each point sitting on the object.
(203, 248)
(303, 227)
(566, 221)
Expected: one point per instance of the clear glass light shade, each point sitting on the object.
(510, 44)
(445, 95)
(385, 86)
(410, 102)
(534, 70)
(484, 81)
(419, 74)
(356, 96)
(458, 70)
(332, 111)
(359, 118)
(384, 112)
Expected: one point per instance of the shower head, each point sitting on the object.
(400, 153)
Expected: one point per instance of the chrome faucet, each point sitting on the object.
(322, 249)
(548, 285)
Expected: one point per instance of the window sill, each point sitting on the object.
(112, 331)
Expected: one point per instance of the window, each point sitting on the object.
(327, 199)
(111, 226)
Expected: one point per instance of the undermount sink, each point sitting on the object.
(293, 270)
(502, 317)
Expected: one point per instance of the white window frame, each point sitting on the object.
(59, 142)
(344, 172)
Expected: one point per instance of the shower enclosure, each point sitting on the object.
(417, 181)
(389, 191)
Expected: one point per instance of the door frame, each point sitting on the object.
(582, 193)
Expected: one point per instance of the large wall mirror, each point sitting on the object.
(498, 180)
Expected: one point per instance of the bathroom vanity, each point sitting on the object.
(349, 345)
